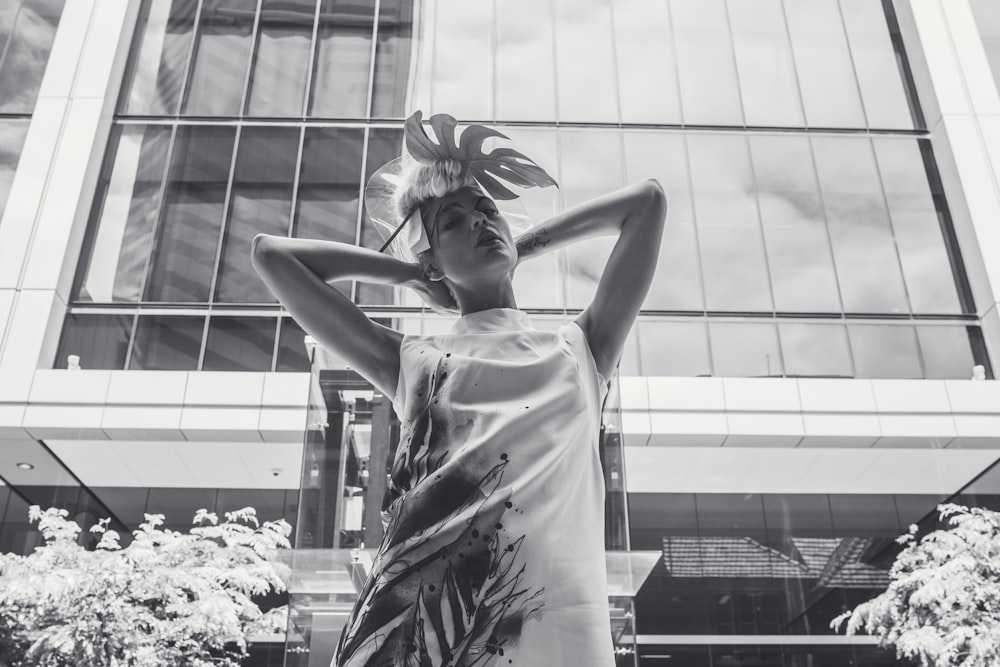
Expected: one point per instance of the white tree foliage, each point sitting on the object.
(167, 599)
(942, 606)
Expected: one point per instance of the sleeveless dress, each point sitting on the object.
(493, 552)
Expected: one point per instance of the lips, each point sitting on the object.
(488, 237)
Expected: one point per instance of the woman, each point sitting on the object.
(494, 544)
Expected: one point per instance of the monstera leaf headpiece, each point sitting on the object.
(432, 169)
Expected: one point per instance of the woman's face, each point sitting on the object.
(469, 238)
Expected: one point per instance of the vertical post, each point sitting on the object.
(378, 464)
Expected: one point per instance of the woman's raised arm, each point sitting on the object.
(637, 214)
(297, 272)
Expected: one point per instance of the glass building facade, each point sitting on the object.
(810, 234)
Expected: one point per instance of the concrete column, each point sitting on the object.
(962, 103)
(52, 191)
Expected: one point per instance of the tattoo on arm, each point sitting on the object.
(532, 241)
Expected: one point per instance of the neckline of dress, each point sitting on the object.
(492, 320)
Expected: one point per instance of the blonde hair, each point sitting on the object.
(420, 182)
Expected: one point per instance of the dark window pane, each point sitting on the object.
(167, 342)
(706, 63)
(946, 351)
(744, 349)
(799, 257)
(392, 56)
(884, 351)
(864, 515)
(269, 503)
(126, 504)
(292, 353)
(674, 348)
(823, 61)
(733, 263)
(24, 55)
(127, 206)
(221, 53)
(12, 133)
(159, 61)
(239, 344)
(16, 534)
(281, 64)
(101, 341)
(261, 202)
(731, 514)
(863, 246)
(180, 505)
(655, 515)
(876, 64)
(797, 516)
(764, 60)
(343, 58)
(916, 224)
(184, 256)
(815, 350)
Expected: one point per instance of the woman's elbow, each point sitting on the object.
(654, 199)
(263, 250)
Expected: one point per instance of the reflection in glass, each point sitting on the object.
(823, 61)
(674, 348)
(590, 165)
(261, 203)
(646, 64)
(281, 64)
(125, 218)
(457, 74)
(876, 64)
(917, 223)
(158, 64)
(863, 246)
(745, 349)
(795, 233)
(220, 59)
(706, 63)
(25, 52)
(12, 133)
(587, 89)
(525, 61)
(384, 144)
(239, 344)
(884, 351)
(343, 59)
(677, 283)
(101, 341)
(946, 351)
(292, 353)
(184, 255)
(392, 56)
(167, 343)
(734, 266)
(764, 61)
(987, 15)
(815, 350)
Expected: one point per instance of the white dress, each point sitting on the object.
(494, 545)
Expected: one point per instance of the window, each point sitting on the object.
(260, 203)
(27, 30)
(281, 61)
(12, 133)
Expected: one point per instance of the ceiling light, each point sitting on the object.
(25, 466)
